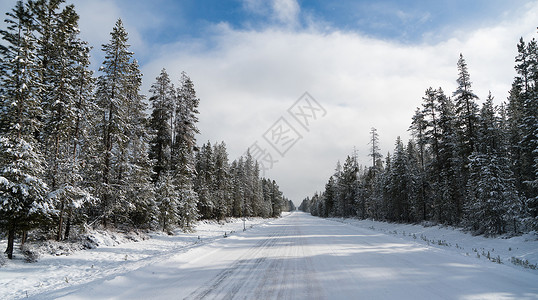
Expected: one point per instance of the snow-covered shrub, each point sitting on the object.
(31, 254)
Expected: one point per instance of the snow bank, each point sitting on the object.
(520, 251)
(106, 255)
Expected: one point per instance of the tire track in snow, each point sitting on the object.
(277, 267)
(246, 263)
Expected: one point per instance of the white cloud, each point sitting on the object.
(283, 12)
(286, 11)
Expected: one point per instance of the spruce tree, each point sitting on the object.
(466, 108)
(183, 147)
(114, 97)
(222, 182)
(492, 201)
(451, 185)
(374, 148)
(418, 129)
(162, 100)
(138, 203)
(204, 182)
(348, 186)
(22, 189)
(66, 83)
(523, 127)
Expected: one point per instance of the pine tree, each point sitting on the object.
(416, 181)
(348, 186)
(451, 185)
(114, 88)
(493, 204)
(22, 189)
(374, 148)
(523, 127)
(162, 100)
(276, 199)
(237, 169)
(66, 83)
(465, 108)
(222, 182)
(167, 202)
(183, 147)
(418, 129)
(330, 198)
(204, 183)
(137, 207)
(399, 188)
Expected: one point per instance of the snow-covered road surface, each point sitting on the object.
(303, 257)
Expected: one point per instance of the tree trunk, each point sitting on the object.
(24, 237)
(10, 242)
(68, 224)
(60, 221)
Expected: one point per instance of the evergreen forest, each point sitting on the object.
(467, 165)
(79, 150)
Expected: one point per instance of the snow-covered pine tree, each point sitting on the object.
(204, 182)
(374, 147)
(183, 147)
(493, 204)
(529, 139)
(113, 89)
(222, 182)
(276, 199)
(418, 130)
(330, 197)
(451, 185)
(399, 188)
(348, 186)
(138, 205)
(432, 133)
(257, 191)
(338, 198)
(162, 102)
(523, 127)
(66, 83)
(238, 195)
(415, 180)
(22, 189)
(167, 201)
(466, 108)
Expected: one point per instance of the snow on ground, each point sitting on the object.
(521, 251)
(294, 257)
(116, 254)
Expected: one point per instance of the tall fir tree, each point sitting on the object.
(493, 204)
(117, 89)
(466, 108)
(138, 203)
(183, 148)
(222, 182)
(162, 100)
(66, 83)
(22, 190)
(418, 129)
(523, 127)
(204, 182)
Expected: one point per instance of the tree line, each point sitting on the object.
(465, 165)
(79, 150)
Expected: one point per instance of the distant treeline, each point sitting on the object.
(466, 165)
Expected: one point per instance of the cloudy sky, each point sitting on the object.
(365, 64)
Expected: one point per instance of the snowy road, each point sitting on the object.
(303, 257)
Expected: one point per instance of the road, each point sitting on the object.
(303, 257)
